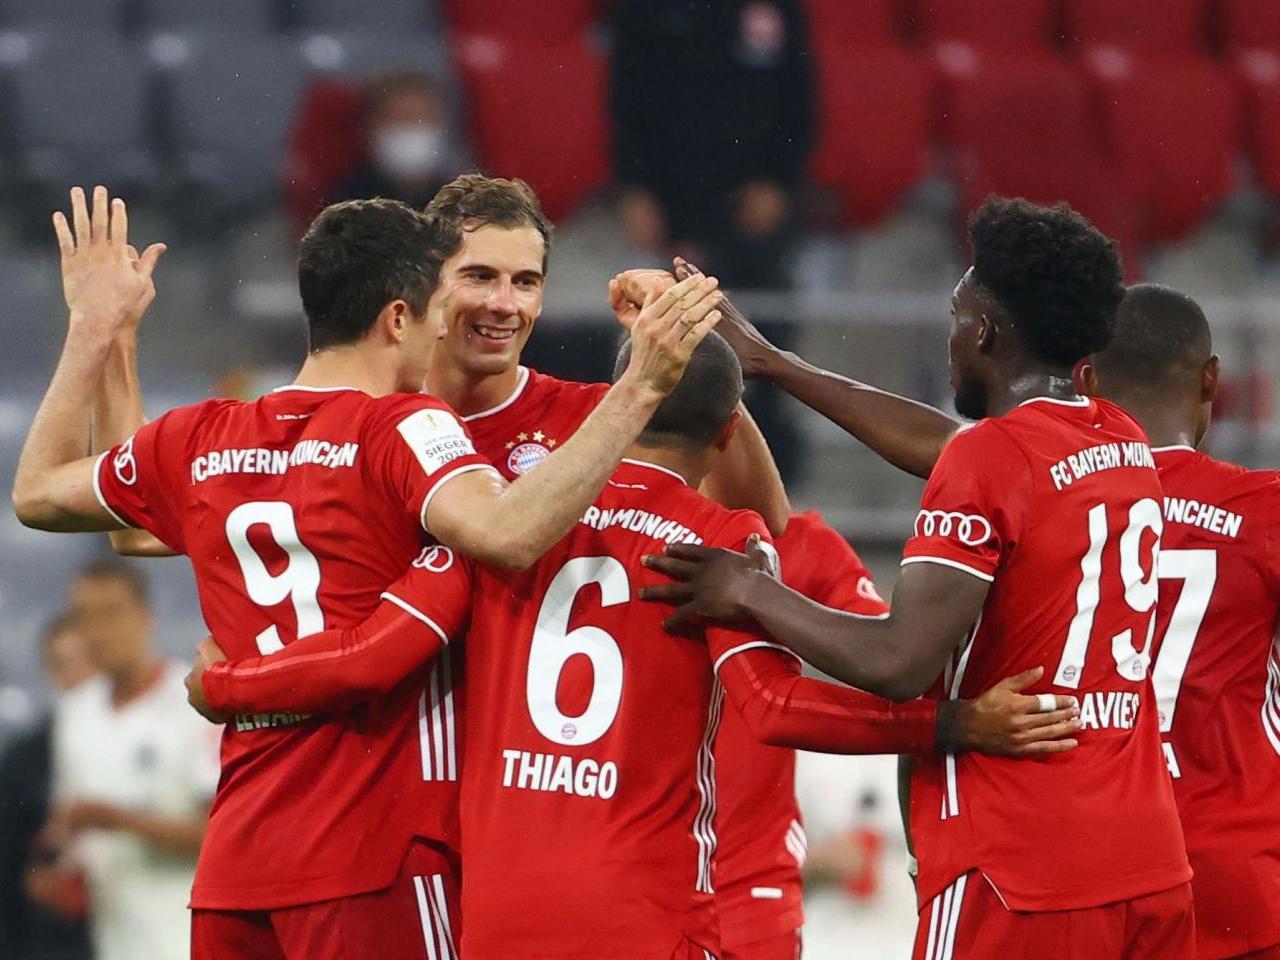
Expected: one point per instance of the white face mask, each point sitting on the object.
(408, 151)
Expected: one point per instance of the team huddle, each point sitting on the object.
(510, 666)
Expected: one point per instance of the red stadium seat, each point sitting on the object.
(1250, 24)
(1172, 127)
(986, 24)
(322, 151)
(863, 22)
(558, 20)
(1265, 138)
(873, 142)
(1153, 26)
(538, 111)
(1023, 128)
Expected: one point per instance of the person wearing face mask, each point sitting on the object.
(408, 153)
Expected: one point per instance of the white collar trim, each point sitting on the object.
(654, 466)
(1175, 446)
(1078, 402)
(522, 381)
(297, 386)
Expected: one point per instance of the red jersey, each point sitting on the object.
(1057, 504)
(589, 777)
(759, 893)
(1217, 683)
(541, 413)
(297, 511)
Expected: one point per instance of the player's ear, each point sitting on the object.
(393, 320)
(1209, 379)
(986, 334)
(1085, 378)
(728, 430)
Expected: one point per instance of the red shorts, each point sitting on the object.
(785, 946)
(967, 921)
(416, 918)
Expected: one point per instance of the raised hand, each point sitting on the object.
(1006, 722)
(629, 290)
(747, 342)
(107, 284)
(670, 325)
(711, 583)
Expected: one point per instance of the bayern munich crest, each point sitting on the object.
(527, 451)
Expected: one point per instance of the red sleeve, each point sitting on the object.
(784, 709)
(417, 445)
(974, 505)
(139, 482)
(820, 563)
(334, 669)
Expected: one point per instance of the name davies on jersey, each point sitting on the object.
(1109, 709)
(1104, 456)
(217, 463)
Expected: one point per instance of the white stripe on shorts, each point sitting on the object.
(433, 911)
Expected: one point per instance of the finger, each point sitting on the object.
(681, 268)
(661, 302)
(1054, 731)
(680, 569)
(702, 288)
(1022, 680)
(681, 620)
(688, 551)
(706, 325)
(690, 269)
(132, 251)
(62, 230)
(101, 216)
(1036, 721)
(672, 593)
(150, 257)
(80, 217)
(1047, 747)
(119, 223)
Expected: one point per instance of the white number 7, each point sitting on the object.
(299, 580)
(1198, 569)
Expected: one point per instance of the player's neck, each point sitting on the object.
(130, 681)
(1029, 385)
(469, 393)
(349, 367)
(1166, 424)
(690, 465)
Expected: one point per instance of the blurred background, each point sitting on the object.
(819, 156)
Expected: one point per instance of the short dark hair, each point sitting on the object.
(474, 200)
(355, 258)
(112, 568)
(1056, 276)
(694, 413)
(1161, 335)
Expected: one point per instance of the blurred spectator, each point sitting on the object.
(134, 771)
(410, 149)
(713, 119)
(28, 929)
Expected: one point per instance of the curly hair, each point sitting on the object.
(1056, 276)
(474, 200)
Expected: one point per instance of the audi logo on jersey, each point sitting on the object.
(969, 528)
(126, 464)
(434, 559)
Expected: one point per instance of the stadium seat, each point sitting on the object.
(548, 22)
(1250, 24)
(1023, 128)
(864, 22)
(369, 52)
(873, 139)
(995, 25)
(405, 16)
(230, 101)
(551, 127)
(322, 151)
(1150, 26)
(1172, 128)
(244, 16)
(101, 15)
(83, 125)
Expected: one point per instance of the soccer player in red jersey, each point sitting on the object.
(1035, 546)
(1216, 670)
(296, 511)
(588, 783)
(761, 841)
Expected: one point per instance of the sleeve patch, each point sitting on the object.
(436, 438)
